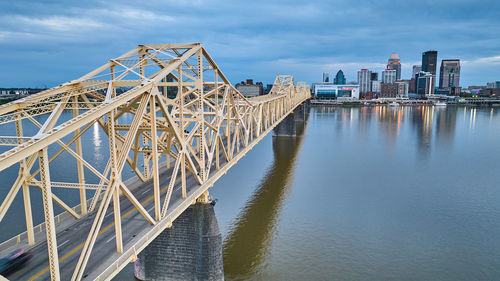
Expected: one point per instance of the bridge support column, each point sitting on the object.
(293, 125)
(190, 250)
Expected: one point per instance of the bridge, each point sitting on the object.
(170, 115)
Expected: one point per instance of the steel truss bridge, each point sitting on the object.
(189, 125)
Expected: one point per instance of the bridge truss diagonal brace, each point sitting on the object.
(207, 120)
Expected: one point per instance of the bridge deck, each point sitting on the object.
(104, 261)
(71, 239)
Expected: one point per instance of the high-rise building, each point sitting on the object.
(374, 76)
(412, 85)
(395, 63)
(416, 70)
(375, 86)
(364, 80)
(389, 76)
(449, 75)
(429, 64)
(326, 77)
(429, 61)
(339, 78)
(413, 80)
(425, 83)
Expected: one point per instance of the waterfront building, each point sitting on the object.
(326, 77)
(364, 80)
(425, 83)
(490, 92)
(339, 78)
(449, 76)
(403, 88)
(493, 85)
(375, 86)
(332, 91)
(388, 90)
(249, 89)
(395, 63)
(389, 76)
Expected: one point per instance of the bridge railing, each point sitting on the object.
(185, 113)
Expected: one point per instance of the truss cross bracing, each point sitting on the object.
(187, 120)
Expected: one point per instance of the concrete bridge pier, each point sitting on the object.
(293, 125)
(190, 250)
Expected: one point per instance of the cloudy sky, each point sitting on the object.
(45, 43)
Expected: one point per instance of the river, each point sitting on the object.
(367, 193)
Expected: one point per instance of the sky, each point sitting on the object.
(48, 42)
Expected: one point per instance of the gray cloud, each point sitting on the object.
(44, 43)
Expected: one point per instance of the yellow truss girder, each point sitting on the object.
(207, 122)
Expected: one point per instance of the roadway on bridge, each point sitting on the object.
(70, 240)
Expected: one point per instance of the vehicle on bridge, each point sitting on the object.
(171, 118)
(14, 261)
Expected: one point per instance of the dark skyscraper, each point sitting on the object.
(429, 64)
(429, 61)
(394, 63)
(374, 76)
(339, 78)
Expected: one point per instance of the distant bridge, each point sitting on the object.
(189, 126)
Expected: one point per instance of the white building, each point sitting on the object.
(330, 91)
(248, 90)
(389, 76)
(364, 80)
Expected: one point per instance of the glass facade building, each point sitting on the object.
(339, 78)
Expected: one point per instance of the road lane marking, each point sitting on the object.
(100, 232)
(112, 237)
(63, 243)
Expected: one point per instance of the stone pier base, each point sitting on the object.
(190, 250)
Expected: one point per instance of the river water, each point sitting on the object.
(367, 193)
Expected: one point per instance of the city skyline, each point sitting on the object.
(45, 44)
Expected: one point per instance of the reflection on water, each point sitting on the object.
(96, 140)
(247, 243)
(373, 193)
(368, 193)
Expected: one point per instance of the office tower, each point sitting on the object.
(374, 76)
(416, 70)
(339, 78)
(394, 63)
(375, 86)
(389, 76)
(364, 80)
(425, 83)
(429, 61)
(449, 75)
(326, 77)
(429, 64)
(413, 80)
